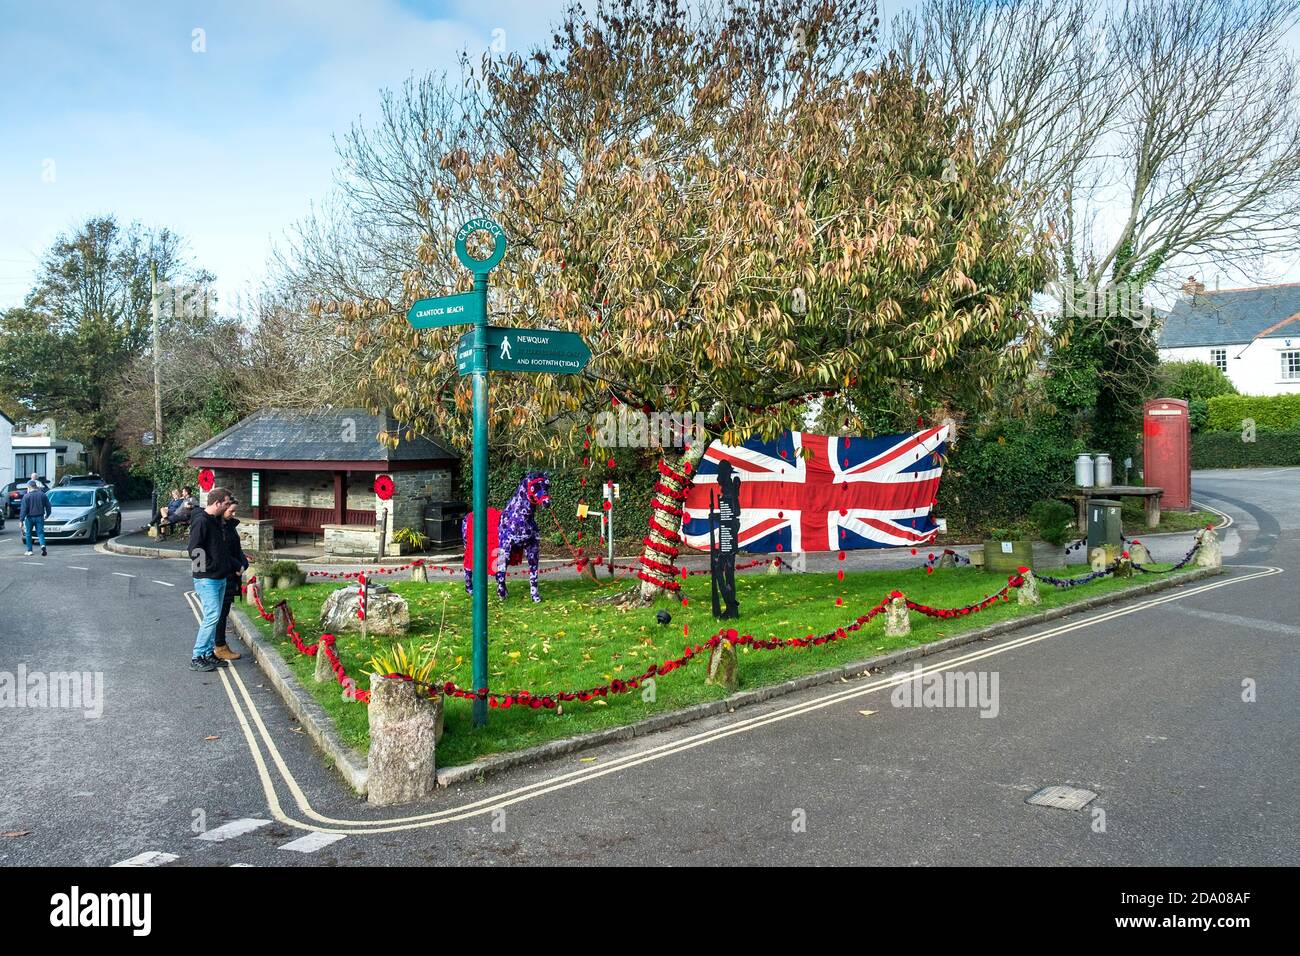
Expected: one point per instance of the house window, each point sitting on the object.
(1291, 365)
(1219, 359)
(24, 465)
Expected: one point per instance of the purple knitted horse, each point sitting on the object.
(515, 531)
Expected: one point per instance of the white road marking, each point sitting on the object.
(250, 865)
(658, 752)
(312, 842)
(122, 574)
(149, 858)
(74, 567)
(164, 584)
(1227, 521)
(235, 828)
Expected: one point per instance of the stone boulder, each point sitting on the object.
(386, 613)
(898, 623)
(1027, 593)
(401, 765)
(1210, 553)
(722, 666)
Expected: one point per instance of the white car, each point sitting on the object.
(82, 513)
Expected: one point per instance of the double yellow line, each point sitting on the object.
(258, 737)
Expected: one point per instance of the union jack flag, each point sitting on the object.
(847, 493)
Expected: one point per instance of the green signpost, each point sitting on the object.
(444, 310)
(526, 350)
(482, 349)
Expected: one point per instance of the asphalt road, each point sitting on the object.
(1141, 703)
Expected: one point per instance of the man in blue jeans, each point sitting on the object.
(32, 513)
(210, 565)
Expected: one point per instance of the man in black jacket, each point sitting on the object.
(210, 565)
(32, 513)
(238, 562)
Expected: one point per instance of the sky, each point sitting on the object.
(226, 136)
(217, 119)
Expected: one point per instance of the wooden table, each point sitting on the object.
(1081, 497)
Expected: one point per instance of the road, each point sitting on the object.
(1141, 703)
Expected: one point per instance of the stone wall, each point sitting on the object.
(240, 484)
(315, 489)
(415, 489)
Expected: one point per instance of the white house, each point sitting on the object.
(37, 449)
(1252, 335)
(6, 449)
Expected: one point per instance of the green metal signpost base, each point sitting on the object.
(538, 351)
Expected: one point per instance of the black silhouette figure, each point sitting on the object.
(724, 515)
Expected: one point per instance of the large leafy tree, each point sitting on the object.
(738, 210)
(63, 352)
(1152, 139)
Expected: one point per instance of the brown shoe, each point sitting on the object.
(226, 654)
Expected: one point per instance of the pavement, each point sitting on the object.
(1181, 711)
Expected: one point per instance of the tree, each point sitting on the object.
(1151, 137)
(63, 352)
(738, 209)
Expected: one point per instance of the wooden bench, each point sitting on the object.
(299, 520)
(1081, 496)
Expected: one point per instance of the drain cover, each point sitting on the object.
(1062, 798)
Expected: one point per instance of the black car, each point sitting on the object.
(13, 494)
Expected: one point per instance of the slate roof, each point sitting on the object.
(1233, 316)
(275, 434)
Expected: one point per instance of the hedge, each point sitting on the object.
(1225, 449)
(1270, 412)
(995, 477)
(634, 473)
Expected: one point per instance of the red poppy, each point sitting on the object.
(207, 479)
(384, 487)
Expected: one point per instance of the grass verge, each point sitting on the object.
(567, 643)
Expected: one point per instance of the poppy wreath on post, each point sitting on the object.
(384, 487)
(207, 479)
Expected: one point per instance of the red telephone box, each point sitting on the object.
(1167, 451)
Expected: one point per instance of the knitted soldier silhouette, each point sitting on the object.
(723, 554)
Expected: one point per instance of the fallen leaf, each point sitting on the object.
(213, 737)
(14, 834)
(588, 759)
(866, 713)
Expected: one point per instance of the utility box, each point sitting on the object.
(1104, 524)
(1167, 451)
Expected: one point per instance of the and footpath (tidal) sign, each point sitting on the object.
(526, 350)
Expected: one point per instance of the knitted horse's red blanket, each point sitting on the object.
(494, 541)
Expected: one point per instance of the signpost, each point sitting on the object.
(482, 349)
(444, 310)
(526, 350)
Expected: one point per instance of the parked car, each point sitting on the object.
(92, 480)
(15, 491)
(82, 513)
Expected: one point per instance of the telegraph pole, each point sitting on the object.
(157, 376)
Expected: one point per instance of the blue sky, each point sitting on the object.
(106, 107)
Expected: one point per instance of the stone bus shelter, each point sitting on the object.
(313, 472)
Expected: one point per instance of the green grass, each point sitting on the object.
(1135, 519)
(566, 643)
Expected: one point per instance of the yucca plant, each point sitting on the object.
(410, 537)
(417, 663)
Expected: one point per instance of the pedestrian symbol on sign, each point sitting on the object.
(505, 348)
